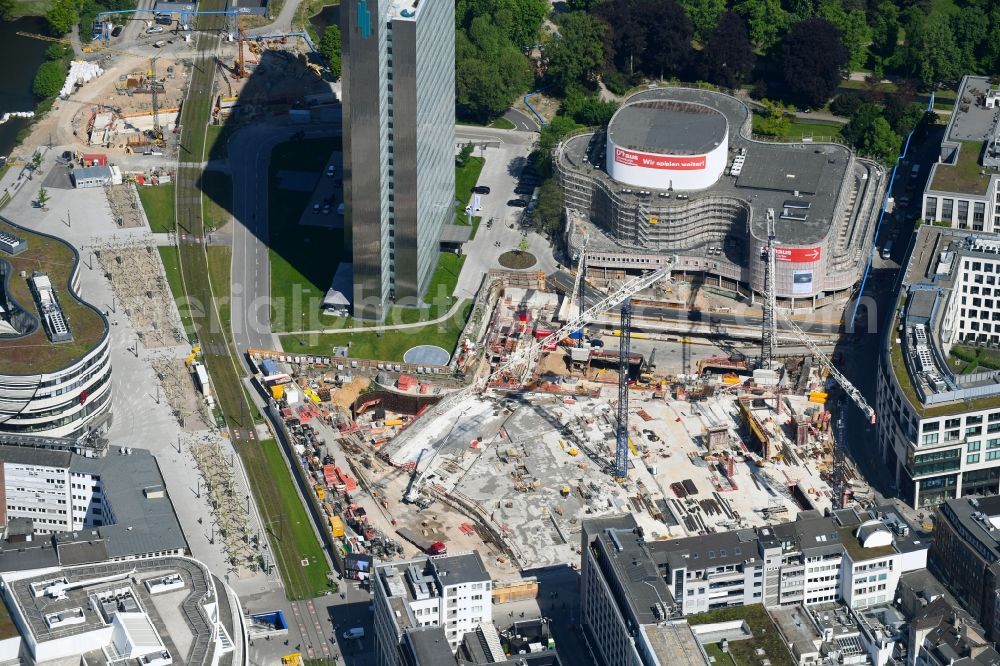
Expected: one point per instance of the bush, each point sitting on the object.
(617, 82)
(49, 79)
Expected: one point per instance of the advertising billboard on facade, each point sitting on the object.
(802, 282)
(800, 255)
(648, 161)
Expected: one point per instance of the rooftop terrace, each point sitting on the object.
(34, 353)
(965, 176)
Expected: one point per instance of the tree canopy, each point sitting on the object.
(62, 16)
(490, 73)
(813, 58)
(648, 36)
(49, 79)
(727, 59)
(575, 54)
(329, 48)
(766, 20)
(870, 133)
(516, 20)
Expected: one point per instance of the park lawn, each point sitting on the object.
(381, 345)
(220, 274)
(441, 289)
(158, 202)
(303, 259)
(799, 128)
(466, 177)
(172, 266)
(217, 198)
(293, 537)
(765, 635)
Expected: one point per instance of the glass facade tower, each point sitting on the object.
(399, 145)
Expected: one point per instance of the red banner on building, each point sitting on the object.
(631, 158)
(800, 255)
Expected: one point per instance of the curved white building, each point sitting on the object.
(667, 145)
(55, 363)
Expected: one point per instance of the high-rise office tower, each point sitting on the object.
(399, 144)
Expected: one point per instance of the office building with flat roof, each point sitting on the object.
(938, 394)
(963, 188)
(399, 145)
(448, 591)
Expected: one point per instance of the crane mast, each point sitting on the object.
(769, 331)
(621, 432)
(526, 354)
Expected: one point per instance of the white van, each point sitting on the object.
(340, 209)
(354, 632)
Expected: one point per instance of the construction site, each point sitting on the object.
(133, 105)
(547, 415)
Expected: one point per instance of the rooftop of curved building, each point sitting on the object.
(773, 174)
(668, 127)
(33, 353)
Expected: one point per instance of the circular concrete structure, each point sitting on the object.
(667, 145)
(427, 355)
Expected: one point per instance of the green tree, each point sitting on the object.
(62, 17)
(885, 29)
(766, 21)
(549, 210)
(489, 74)
(518, 21)
(577, 52)
(36, 160)
(971, 29)
(522, 247)
(854, 31)
(549, 138)
(931, 54)
(587, 108)
(773, 119)
(43, 197)
(329, 48)
(870, 133)
(58, 52)
(49, 79)
(6, 9)
(704, 15)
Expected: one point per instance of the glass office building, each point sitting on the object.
(399, 145)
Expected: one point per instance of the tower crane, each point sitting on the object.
(519, 362)
(768, 338)
(580, 284)
(769, 330)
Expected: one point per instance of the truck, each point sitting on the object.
(427, 547)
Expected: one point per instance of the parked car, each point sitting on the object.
(517, 203)
(354, 632)
(481, 189)
(331, 170)
(117, 31)
(315, 208)
(156, 29)
(524, 189)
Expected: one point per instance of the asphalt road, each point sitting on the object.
(249, 158)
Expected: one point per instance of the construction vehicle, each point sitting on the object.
(293, 659)
(520, 361)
